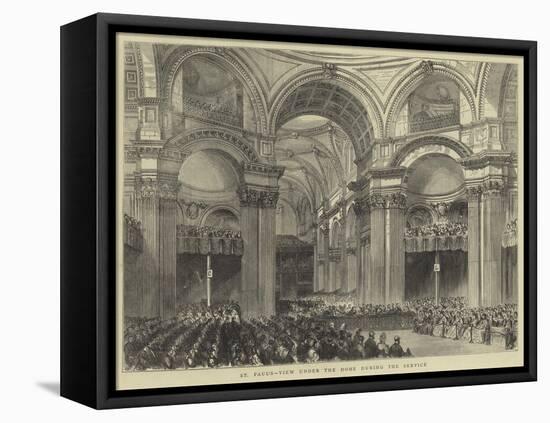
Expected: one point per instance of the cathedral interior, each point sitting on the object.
(259, 175)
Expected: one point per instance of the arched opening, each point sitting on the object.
(437, 102)
(332, 102)
(206, 91)
(436, 235)
(208, 226)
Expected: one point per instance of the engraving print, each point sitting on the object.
(288, 211)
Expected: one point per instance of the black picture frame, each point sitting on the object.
(88, 209)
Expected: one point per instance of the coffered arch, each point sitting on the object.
(334, 95)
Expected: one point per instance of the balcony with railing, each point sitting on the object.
(444, 236)
(435, 122)
(205, 240)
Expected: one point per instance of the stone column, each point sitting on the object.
(474, 235)
(323, 252)
(376, 289)
(249, 296)
(493, 219)
(258, 198)
(360, 207)
(148, 213)
(314, 240)
(351, 258)
(156, 203)
(167, 246)
(488, 174)
(332, 264)
(395, 250)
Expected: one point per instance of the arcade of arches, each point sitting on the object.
(300, 173)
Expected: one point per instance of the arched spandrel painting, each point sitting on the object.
(295, 211)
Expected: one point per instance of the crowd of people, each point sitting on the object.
(437, 229)
(339, 305)
(207, 232)
(452, 318)
(218, 337)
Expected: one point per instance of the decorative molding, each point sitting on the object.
(329, 70)
(203, 134)
(148, 101)
(458, 147)
(427, 67)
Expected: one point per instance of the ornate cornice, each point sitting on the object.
(486, 158)
(386, 172)
(264, 169)
(258, 197)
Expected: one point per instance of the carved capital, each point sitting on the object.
(473, 193)
(376, 201)
(254, 197)
(396, 200)
(153, 188)
(493, 188)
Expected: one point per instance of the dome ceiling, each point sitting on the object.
(208, 171)
(435, 175)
